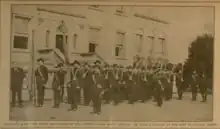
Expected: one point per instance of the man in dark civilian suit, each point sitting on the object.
(17, 77)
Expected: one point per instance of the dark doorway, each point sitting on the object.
(59, 42)
(92, 47)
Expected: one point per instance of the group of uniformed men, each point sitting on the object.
(113, 84)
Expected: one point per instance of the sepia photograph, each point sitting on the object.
(111, 63)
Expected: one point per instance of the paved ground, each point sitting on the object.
(174, 110)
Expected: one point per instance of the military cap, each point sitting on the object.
(115, 65)
(40, 59)
(121, 66)
(97, 62)
(75, 62)
(106, 65)
(59, 65)
(86, 64)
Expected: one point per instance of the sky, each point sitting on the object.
(186, 23)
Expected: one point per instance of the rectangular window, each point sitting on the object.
(139, 39)
(120, 44)
(92, 47)
(47, 38)
(151, 40)
(94, 35)
(120, 9)
(20, 32)
(94, 6)
(21, 41)
(74, 41)
(162, 45)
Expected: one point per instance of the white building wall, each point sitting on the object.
(105, 18)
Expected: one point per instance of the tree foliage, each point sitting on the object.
(200, 56)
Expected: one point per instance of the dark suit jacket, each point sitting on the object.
(17, 77)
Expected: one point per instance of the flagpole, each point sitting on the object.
(63, 29)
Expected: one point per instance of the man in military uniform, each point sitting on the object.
(17, 77)
(166, 85)
(194, 85)
(61, 75)
(107, 94)
(122, 83)
(73, 86)
(158, 90)
(143, 84)
(41, 74)
(179, 84)
(97, 90)
(87, 82)
(150, 87)
(136, 85)
(114, 84)
(128, 77)
(56, 86)
(203, 87)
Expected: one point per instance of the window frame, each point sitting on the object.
(95, 46)
(152, 41)
(121, 45)
(120, 9)
(22, 34)
(98, 34)
(47, 36)
(140, 44)
(162, 43)
(74, 41)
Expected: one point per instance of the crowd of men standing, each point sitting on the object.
(106, 84)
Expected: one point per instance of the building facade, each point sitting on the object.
(116, 34)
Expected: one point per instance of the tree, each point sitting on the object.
(200, 56)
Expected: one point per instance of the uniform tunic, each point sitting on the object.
(41, 74)
(74, 89)
(56, 86)
(106, 86)
(158, 91)
(87, 84)
(115, 87)
(96, 90)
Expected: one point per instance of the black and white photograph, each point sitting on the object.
(134, 63)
